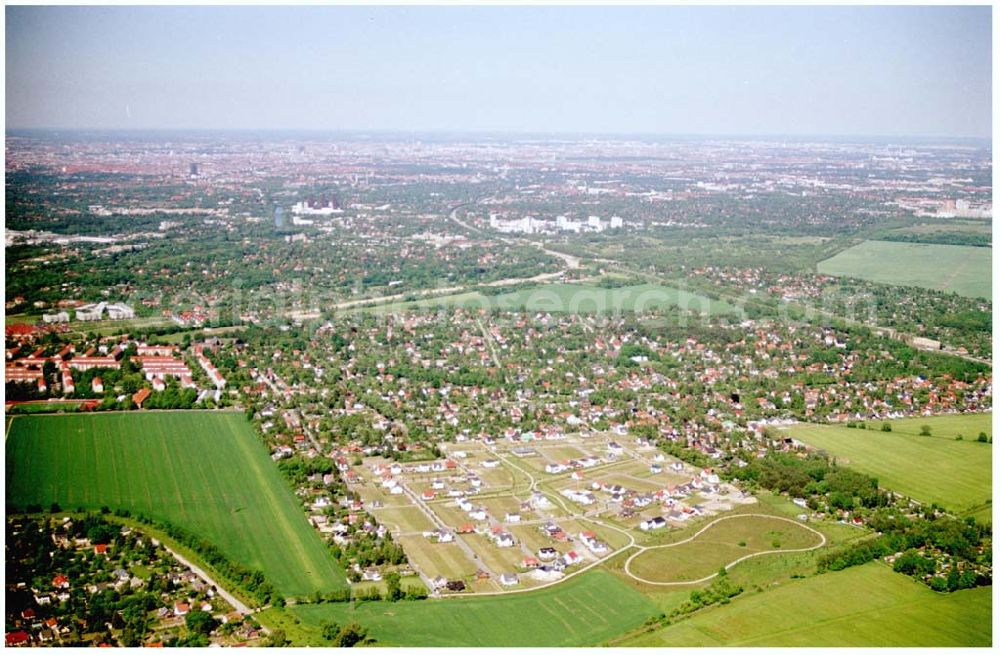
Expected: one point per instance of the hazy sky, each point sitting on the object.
(673, 70)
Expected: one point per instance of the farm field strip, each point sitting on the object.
(587, 610)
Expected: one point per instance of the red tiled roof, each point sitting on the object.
(140, 396)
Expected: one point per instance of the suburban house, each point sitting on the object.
(546, 553)
(654, 523)
(140, 396)
(546, 574)
(504, 540)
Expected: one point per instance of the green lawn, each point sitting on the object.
(586, 610)
(206, 472)
(581, 299)
(962, 269)
(718, 546)
(955, 474)
(862, 606)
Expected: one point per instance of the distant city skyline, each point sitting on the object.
(754, 71)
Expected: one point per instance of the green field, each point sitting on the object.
(581, 299)
(935, 469)
(718, 546)
(206, 472)
(586, 610)
(962, 269)
(862, 606)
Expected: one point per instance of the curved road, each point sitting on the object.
(643, 549)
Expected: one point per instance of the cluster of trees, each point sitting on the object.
(393, 592)
(366, 549)
(346, 636)
(811, 477)
(946, 238)
(924, 541)
(720, 591)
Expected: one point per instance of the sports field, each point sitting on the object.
(962, 269)
(935, 469)
(719, 545)
(861, 606)
(582, 299)
(203, 471)
(586, 610)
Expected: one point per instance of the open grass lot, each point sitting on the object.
(955, 474)
(404, 519)
(862, 606)
(203, 471)
(962, 269)
(613, 538)
(533, 538)
(433, 559)
(719, 545)
(498, 560)
(586, 610)
(581, 299)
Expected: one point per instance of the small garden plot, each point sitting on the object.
(611, 537)
(376, 494)
(449, 514)
(633, 483)
(448, 560)
(532, 537)
(496, 479)
(498, 560)
(404, 519)
(500, 506)
(562, 453)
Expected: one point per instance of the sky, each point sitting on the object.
(809, 70)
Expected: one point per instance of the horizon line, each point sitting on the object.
(507, 132)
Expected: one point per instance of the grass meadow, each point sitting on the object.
(863, 606)
(203, 471)
(935, 469)
(962, 269)
(579, 299)
(718, 546)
